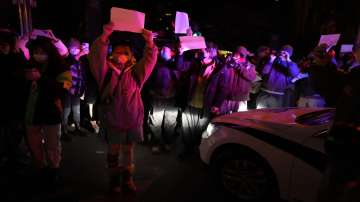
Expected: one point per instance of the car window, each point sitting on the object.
(317, 118)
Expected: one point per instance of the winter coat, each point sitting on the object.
(126, 110)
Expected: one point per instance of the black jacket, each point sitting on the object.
(46, 112)
(13, 88)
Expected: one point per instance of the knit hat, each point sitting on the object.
(289, 49)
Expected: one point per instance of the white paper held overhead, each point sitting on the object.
(127, 20)
(346, 48)
(331, 39)
(181, 23)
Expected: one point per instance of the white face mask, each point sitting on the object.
(74, 51)
(40, 58)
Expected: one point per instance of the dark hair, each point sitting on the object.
(116, 44)
(263, 49)
(356, 47)
(73, 41)
(55, 60)
(8, 37)
(211, 44)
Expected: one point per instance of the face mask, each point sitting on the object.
(40, 58)
(74, 51)
(122, 59)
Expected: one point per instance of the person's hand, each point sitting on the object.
(32, 74)
(51, 35)
(155, 35)
(181, 50)
(272, 58)
(148, 37)
(108, 29)
(84, 52)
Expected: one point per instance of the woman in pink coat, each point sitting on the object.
(120, 79)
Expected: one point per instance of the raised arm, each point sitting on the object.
(98, 54)
(248, 72)
(146, 65)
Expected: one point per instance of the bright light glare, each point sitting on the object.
(211, 128)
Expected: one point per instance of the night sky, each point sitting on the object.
(228, 23)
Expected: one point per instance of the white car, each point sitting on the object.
(263, 155)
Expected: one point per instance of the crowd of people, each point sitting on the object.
(166, 98)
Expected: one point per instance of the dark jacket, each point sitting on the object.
(91, 89)
(13, 88)
(183, 64)
(348, 106)
(215, 88)
(327, 81)
(240, 78)
(277, 76)
(50, 89)
(164, 79)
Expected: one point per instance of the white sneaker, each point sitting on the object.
(95, 127)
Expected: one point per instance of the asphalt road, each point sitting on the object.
(161, 178)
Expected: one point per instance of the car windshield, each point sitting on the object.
(316, 118)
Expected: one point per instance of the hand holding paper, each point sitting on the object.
(44, 33)
(107, 31)
(127, 20)
(148, 37)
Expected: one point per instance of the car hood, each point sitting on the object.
(279, 122)
(276, 116)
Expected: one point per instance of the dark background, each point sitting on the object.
(228, 23)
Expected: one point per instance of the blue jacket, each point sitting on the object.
(277, 76)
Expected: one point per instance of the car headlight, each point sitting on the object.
(210, 130)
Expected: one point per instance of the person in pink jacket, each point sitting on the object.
(120, 79)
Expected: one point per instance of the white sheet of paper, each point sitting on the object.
(331, 39)
(192, 42)
(346, 48)
(181, 23)
(127, 20)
